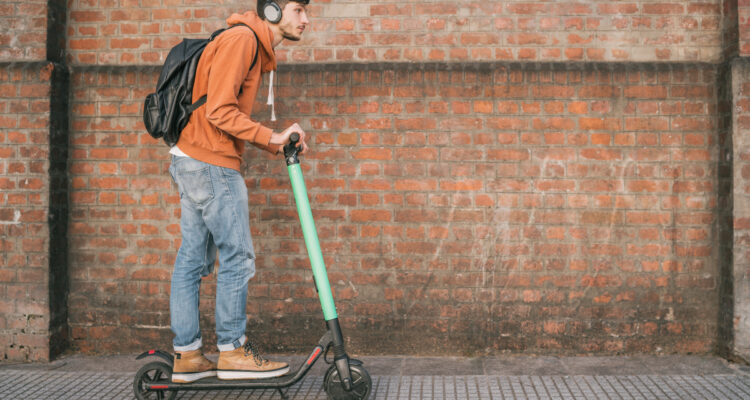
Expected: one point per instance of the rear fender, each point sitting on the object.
(158, 353)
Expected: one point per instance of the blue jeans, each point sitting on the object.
(214, 216)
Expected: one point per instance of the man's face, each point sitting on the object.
(293, 21)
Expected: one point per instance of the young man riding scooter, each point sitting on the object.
(213, 195)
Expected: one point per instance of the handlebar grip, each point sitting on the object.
(291, 150)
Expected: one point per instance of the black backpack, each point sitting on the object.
(167, 111)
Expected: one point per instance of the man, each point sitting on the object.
(213, 195)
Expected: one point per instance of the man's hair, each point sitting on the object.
(280, 3)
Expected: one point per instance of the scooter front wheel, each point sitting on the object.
(361, 384)
(150, 373)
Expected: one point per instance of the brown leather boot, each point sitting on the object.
(246, 363)
(189, 366)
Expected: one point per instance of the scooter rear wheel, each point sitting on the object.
(151, 373)
(361, 384)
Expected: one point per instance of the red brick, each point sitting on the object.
(87, 16)
(128, 43)
(663, 8)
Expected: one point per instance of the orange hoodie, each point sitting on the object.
(217, 130)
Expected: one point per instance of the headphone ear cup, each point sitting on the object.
(272, 12)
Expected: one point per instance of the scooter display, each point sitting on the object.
(345, 379)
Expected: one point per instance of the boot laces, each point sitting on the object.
(252, 348)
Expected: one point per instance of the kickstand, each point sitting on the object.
(283, 395)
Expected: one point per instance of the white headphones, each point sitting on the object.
(272, 12)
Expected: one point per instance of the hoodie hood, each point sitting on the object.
(264, 34)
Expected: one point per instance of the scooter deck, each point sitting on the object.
(216, 383)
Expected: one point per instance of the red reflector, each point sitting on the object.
(157, 387)
(151, 351)
(314, 355)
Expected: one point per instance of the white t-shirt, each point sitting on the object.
(176, 151)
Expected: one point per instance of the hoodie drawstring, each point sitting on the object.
(270, 101)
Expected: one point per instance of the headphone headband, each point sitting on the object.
(272, 12)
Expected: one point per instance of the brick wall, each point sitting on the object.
(105, 32)
(24, 204)
(741, 208)
(743, 10)
(556, 177)
(123, 222)
(488, 208)
(33, 180)
(23, 35)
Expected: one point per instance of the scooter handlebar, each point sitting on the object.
(291, 151)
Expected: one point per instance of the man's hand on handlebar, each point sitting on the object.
(283, 137)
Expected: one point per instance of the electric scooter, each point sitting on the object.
(345, 379)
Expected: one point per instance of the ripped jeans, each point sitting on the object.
(215, 216)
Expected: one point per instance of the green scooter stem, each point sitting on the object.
(341, 359)
(311, 235)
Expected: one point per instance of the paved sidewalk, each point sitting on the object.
(509, 377)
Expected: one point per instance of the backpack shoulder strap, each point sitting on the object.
(203, 98)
